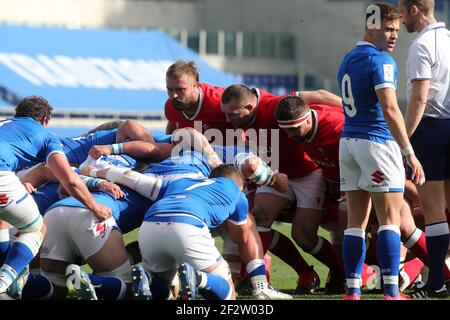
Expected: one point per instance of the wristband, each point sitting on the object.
(91, 183)
(116, 148)
(407, 150)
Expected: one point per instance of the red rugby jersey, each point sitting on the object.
(323, 146)
(208, 112)
(293, 160)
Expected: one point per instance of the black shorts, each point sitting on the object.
(431, 143)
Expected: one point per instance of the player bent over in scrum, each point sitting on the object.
(192, 211)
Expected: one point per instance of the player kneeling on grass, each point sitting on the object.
(175, 233)
(75, 235)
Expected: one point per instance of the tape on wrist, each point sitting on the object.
(93, 172)
(407, 150)
(116, 148)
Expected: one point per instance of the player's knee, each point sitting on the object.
(262, 220)
(263, 216)
(222, 270)
(33, 235)
(32, 240)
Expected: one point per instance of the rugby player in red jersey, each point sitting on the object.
(253, 110)
(191, 103)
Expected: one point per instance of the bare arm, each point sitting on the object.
(104, 126)
(38, 175)
(321, 97)
(147, 151)
(60, 167)
(242, 236)
(394, 120)
(133, 130)
(141, 150)
(416, 106)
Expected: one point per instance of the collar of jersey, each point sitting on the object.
(315, 126)
(199, 106)
(432, 26)
(365, 43)
(258, 95)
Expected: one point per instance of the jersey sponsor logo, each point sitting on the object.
(4, 200)
(100, 229)
(378, 177)
(388, 71)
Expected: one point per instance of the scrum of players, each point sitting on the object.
(232, 162)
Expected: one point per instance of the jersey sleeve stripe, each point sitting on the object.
(58, 151)
(385, 85)
(238, 223)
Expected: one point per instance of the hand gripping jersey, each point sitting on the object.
(24, 142)
(364, 70)
(293, 160)
(128, 212)
(207, 201)
(208, 111)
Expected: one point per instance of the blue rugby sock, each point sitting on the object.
(388, 253)
(19, 256)
(4, 244)
(37, 287)
(108, 287)
(214, 287)
(159, 288)
(354, 251)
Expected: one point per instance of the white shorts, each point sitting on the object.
(309, 190)
(371, 166)
(17, 206)
(164, 245)
(74, 232)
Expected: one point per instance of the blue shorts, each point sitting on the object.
(431, 143)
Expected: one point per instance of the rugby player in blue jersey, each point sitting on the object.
(371, 147)
(194, 165)
(25, 142)
(75, 237)
(78, 148)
